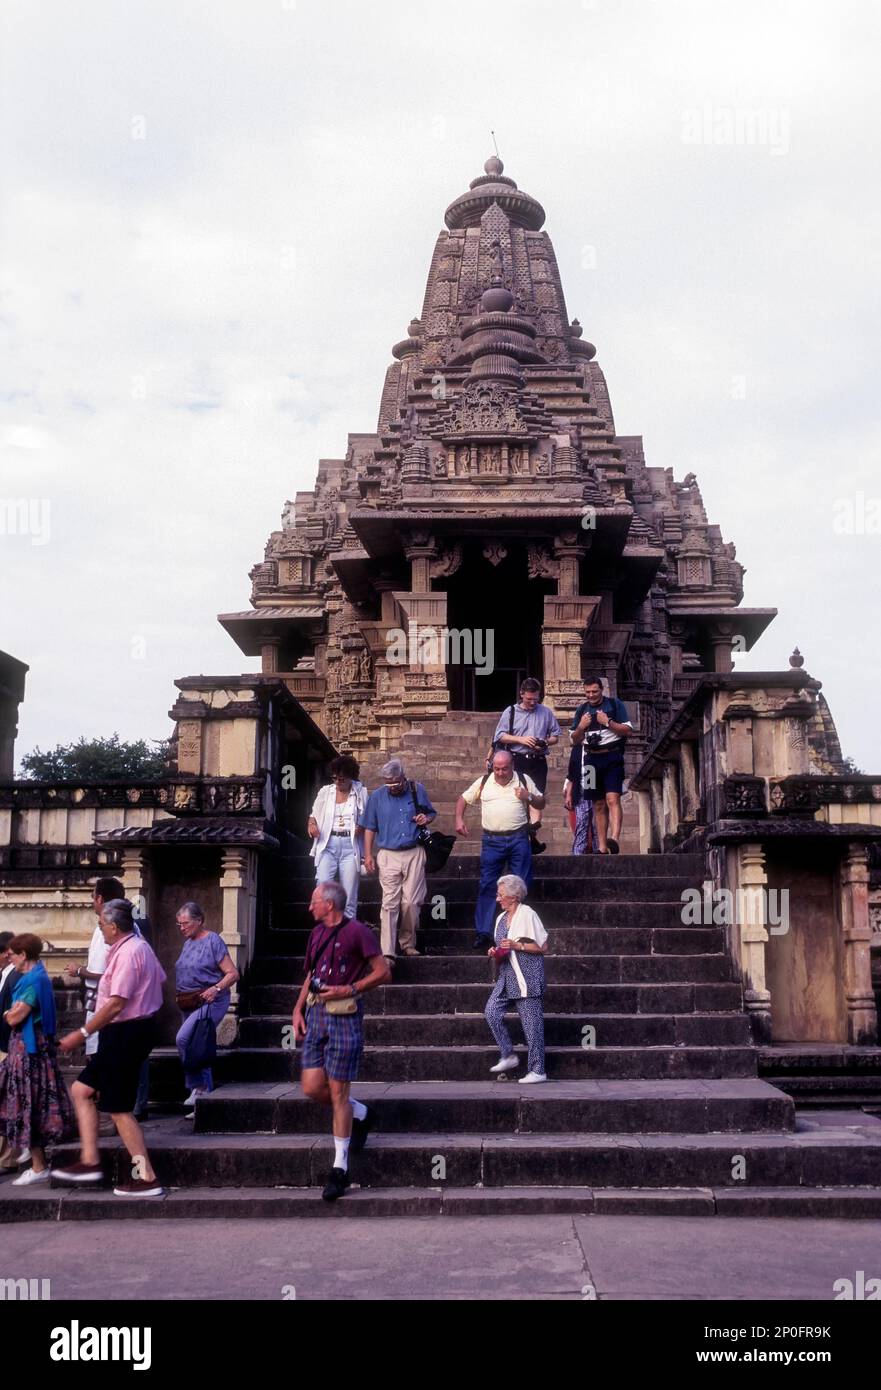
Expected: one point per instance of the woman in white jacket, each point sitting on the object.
(336, 834)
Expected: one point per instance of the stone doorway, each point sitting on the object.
(492, 598)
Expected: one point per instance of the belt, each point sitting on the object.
(516, 831)
(339, 832)
(398, 848)
(533, 757)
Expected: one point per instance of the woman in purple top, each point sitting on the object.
(204, 971)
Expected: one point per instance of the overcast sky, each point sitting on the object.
(218, 217)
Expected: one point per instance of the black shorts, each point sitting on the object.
(608, 774)
(113, 1071)
(536, 768)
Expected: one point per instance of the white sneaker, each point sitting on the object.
(23, 1157)
(506, 1064)
(190, 1104)
(532, 1076)
(30, 1176)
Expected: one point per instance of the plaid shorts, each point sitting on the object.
(334, 1042)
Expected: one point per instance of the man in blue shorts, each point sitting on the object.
(602, 724)
(343, 961)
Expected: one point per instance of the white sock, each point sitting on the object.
(359, 1109)
(341, 1153)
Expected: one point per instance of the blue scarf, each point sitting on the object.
(36, 980)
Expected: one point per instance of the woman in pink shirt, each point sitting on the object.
(129, 997)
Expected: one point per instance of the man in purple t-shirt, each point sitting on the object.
(343, 961)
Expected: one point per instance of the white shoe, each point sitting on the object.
(30, 1176)
(532, 1076)
(23, 1157)
(190, 1104)
(506, 1064)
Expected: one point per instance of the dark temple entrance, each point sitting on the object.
(503, 609)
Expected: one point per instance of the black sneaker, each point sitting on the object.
(613, 846)
(360, 1131)
(481, 943)
(336, 1185)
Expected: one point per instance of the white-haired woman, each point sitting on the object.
(520, 945)
(204, 975)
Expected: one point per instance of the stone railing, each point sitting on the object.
(787, 850)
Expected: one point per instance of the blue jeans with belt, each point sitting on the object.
(340, 860)
(499, 854)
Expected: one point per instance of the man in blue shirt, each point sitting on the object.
(528, 730)
(392, 821)
(602, 724)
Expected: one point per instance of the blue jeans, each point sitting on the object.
(499, 854)
(340, 860)
(199, 1080)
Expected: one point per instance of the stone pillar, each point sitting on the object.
(657, 813)
(568, 548)
(269, 662)
(134, 879)
(751, 886)
(721, 640)
(647, 842)
(688, 781)
(670, 796)
(856, 931)
(238, 883)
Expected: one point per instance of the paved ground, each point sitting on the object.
(551, 1257)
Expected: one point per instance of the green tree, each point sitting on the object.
(98, 760)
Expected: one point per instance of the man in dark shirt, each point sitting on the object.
(343, 961)
(602, 724)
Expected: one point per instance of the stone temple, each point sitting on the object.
(495, 526)
(495, 495)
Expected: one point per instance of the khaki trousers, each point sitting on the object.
(402, 880)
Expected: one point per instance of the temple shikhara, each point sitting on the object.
(495, 495)
(493, 526)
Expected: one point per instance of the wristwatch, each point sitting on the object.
(85, 1032)
(354, 991)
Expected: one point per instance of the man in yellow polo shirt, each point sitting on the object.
(505, 797)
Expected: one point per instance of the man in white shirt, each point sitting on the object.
(8, 1159)
(505, 797)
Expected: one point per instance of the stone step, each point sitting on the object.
(440, 915)
(611, 1030)
(559, 888)
(251, 1203)
(473, 1063)
(475, 968)
(188, 1160)
(459, 998)
(490, 1107)
(584, 941)
(614, 866)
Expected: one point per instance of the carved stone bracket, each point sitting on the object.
(448, 560)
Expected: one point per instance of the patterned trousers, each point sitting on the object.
(532, 1020)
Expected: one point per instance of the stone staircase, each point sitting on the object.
(660, 1110)
(446, 755)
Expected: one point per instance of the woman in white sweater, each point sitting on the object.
(336, 834)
